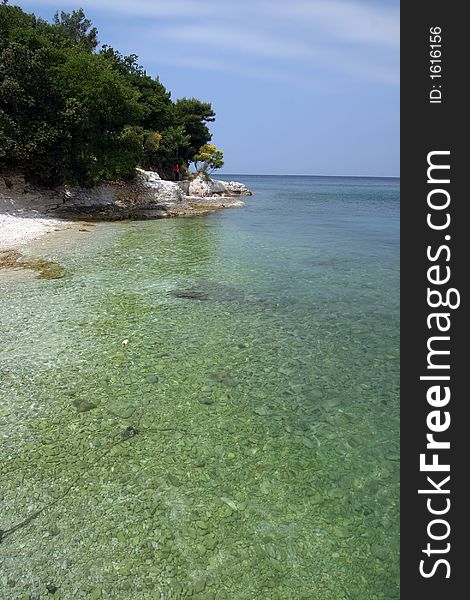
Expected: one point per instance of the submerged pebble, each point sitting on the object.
(83, 405)
(262, 411)
(207, 401)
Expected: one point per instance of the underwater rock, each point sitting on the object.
(222, 377)
(199, 586)
(210, 541)
(152, 378)
(379, 551)
(9, 259)
(262, 411)
(129, 432)
(83, 405)
(229, 502)
(331, 400)
(190, 294)
(46, 269)
(209, 290)
(124, 410)
(207, 401)
(173, 480)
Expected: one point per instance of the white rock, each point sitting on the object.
(148, 177)
(235, 187)
(163, 191)
(200, 187)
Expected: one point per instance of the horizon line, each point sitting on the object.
(308, 175)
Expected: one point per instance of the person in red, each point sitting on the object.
(176, 172)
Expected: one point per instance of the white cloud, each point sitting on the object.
(353, 22)
(243, 68)
(137, 8)
(236, 40)
(347, 20)
(283, 52)
(355, 38)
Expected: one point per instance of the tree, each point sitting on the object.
(12, 19)
(193, 115)
(78, 28)
(108, 104)
(33, 132)
(155, 100)
(210, 157)
(164, 149)
(70, 113)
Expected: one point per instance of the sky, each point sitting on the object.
(298, 86)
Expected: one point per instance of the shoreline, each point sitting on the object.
(27, 213)
(18, 229)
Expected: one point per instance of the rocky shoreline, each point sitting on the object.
(28, 212)
(146, 197)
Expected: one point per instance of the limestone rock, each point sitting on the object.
(147, 196)
(237, 188)
(162, 191)
(214, 187)
(200, 187)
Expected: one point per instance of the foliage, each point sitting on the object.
(193, 115)
(210, 157)
(78, 28)
(70, 112)
(33, 131)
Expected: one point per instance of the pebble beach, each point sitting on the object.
(18, 229)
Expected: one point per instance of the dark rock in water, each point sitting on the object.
(172, 480)
(51, 588)
(209, 290)
(152, 378)
(223, 377)
(129, 432)
(83, 405)
(190, 294)
(207, 401)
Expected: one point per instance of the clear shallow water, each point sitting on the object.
(260, 381)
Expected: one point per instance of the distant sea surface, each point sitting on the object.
(245, 442)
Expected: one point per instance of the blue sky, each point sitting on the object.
(299, 86)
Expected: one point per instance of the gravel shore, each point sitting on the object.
(16, 229)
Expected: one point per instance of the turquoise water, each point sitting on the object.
(244, 444)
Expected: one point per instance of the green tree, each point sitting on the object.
(71, 113)
(107, 105)
(33, 133)
(210, 157)
(12, 19)
(193, 115)
(78, 28)
(155, 100)
(164, 149)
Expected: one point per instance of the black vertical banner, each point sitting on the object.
(434, 303)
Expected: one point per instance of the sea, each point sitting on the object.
(208, 407)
